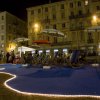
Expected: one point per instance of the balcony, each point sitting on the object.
(77, 28)
(79, 16)
(61, 43)
(90, 41)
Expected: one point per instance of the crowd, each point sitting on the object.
(43, 58)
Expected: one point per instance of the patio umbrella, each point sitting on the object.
(93, 29)
(53, 32)
(21, 39)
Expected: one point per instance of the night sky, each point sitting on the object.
(18, 7)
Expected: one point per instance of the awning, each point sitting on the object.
(23, 49)
(41, 42)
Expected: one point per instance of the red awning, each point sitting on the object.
(41, 42)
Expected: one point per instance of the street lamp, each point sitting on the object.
(94, 19)
(36, 28)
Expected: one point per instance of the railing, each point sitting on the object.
(77, 28)
(79, 16)
(61, 43)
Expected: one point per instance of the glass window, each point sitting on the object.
(98, 7)
(62, 6)
(54, 26)
(39, 10)
(54, 16)
(80, 12)
(2, 17)
(32, 12)
(2, 27)
(62, 15)
(72, 13)
(79, 3)
(71, 5)
(2, 37)
(63, 25)
(46, 9)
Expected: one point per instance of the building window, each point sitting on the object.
(54, 26)
(2, 27)
(2, 17)
(80, 12)
(46, 9)
(9, 37)
(98, 7)
(39, 10)
(2, 37)
(90, 38)
(71, 5)
(54, 16)
(63, 15)
(72, 13)
(47, 27)
(62, 6)
(55, 39)
(32, 12)
(79, 3)
(48, 38)
(53, 9)
(63, 25)
(86, 2)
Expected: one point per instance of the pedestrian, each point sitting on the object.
(7, 57)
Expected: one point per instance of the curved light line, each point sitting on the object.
(40, 94)
(2, 68)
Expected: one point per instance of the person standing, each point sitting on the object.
(7, 57)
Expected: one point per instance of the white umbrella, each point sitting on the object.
(21, 39)
(93, 29)
(53, 32)
(24, 49)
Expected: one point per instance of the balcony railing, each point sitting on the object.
(77, 28)
(80, 16)
(61, 43)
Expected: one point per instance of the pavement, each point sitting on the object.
(84, 80)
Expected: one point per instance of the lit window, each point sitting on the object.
(86, 2)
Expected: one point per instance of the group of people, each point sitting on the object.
(10, 56)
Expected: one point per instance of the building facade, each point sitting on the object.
(84, 14)
(11, 27)
(72, 17)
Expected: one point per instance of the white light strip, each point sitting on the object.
(2, 68)
(40, 94)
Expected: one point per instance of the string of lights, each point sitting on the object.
(40, 94)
